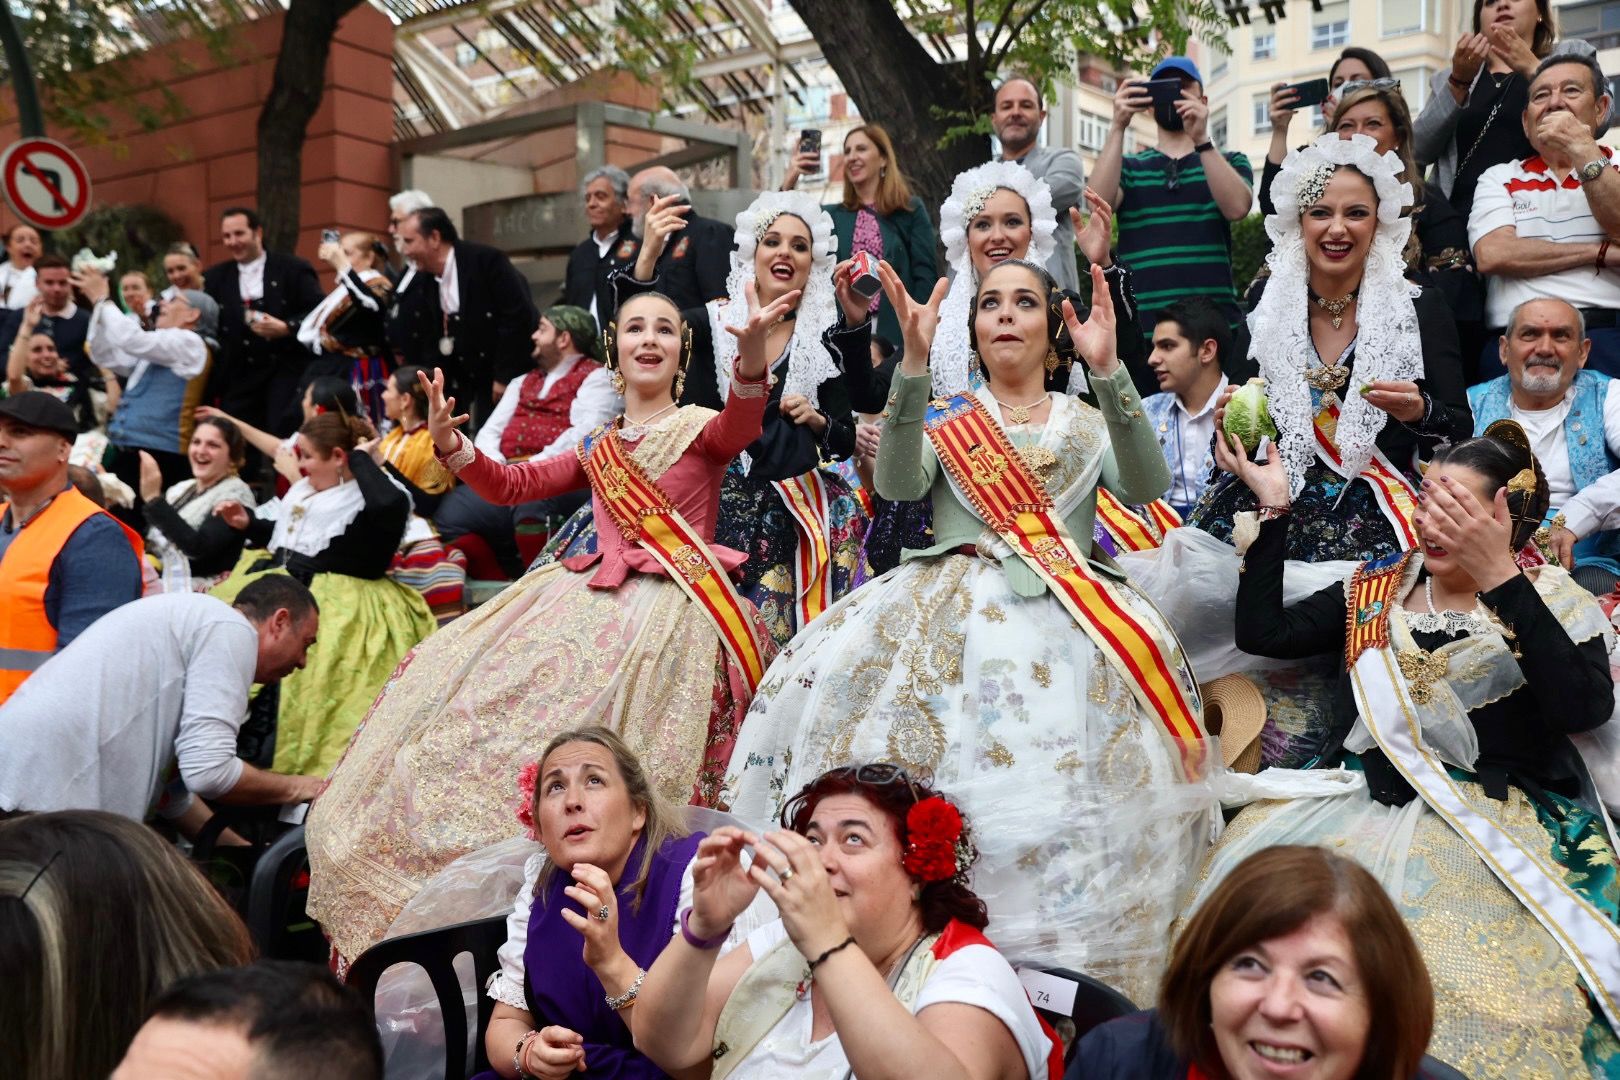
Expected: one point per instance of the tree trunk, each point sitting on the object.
(872, 50)
(295, 94)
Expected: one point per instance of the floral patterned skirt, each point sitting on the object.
(1088, 825)
(1507, 1001)
(432, 772)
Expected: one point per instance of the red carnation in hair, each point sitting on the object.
(525, 813)
(933, 826)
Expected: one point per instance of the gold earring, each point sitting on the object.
(680, 384)
(618, 382)
(1051, 360)
(978, 365)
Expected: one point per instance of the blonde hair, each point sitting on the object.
(893, 193)
(663, 820)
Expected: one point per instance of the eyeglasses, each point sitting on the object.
(881, 774)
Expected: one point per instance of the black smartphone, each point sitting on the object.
(1311, 92)
(810, 141)
(1163, 91)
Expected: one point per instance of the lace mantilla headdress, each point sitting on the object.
(809, 362)
(951, 357)
(1387, 341)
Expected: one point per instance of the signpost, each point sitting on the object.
(45, 183)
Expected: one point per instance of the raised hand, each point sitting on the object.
(666, 216)
(1508, 45)
(31, 316)
(853, 304)
(790, 871)
(1468, 57)
(593, 891)
(234, 513)
(721, 888)
(751, 336)
(1095, 339)
(151, 478)
(918, 321)
(1096, 236)
(1281, 108)
(442, 417)
(90, 281)
(1478, 536)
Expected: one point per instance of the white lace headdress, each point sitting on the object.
(950, 359)
(1387, 341)
(809, 362)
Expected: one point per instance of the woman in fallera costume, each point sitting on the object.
(1027, 676)
(647, 636)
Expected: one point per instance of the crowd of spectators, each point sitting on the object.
(228, 517)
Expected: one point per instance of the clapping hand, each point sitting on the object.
(1095, 339)
(1096, 236)
(234, 513)
(1509, 46)
(442, 417)
(1468, 57)
(151, 483)
(918, 321)
(752, 334)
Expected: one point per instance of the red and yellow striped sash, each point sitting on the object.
(1372, 593)
(990, 472)
(1394, 494)
(806, 500)
(647, 516)
(1132, 531)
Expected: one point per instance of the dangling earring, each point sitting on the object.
(686, 362)
(618, 382)
(1052, 360)
(978, 366)
(680, 385)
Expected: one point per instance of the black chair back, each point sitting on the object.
(274, 911)
(435, 951)
(1095, 1003)
(1435, 1069)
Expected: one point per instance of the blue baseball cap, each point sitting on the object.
(1181, 65)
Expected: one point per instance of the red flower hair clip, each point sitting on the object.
(525, 812)
(937, 844)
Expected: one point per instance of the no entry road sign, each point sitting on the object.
(45, 183)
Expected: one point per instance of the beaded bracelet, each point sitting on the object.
(624, 999)
(517, 1058)
(822, 959)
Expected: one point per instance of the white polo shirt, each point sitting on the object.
(1541, 206)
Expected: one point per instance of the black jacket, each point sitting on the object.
(496, 320)
(587, 276)
(291, 291)
(414, 323)
(693, 268)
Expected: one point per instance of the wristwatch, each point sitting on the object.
(1592, 170)
(1207, 144)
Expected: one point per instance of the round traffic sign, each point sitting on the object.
(45, 183)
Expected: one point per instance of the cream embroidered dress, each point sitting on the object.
(604, 638)
(967, 666)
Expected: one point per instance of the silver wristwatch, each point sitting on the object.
(1592, 170)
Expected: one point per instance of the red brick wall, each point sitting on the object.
(208, 159)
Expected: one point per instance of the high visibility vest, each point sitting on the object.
(27, 638)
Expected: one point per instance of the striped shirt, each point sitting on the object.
(1172, 234)
(1540, 206)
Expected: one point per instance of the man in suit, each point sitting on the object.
(612, 243)
(413, 322)
(486, 308)
(693, 269)
(259, 373)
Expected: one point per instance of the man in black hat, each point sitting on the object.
(64, 561)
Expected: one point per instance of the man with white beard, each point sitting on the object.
(414, 323)
(1572, 416)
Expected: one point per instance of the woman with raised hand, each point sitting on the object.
(799, 524)
(1460, 681)
(878, 966)
(1010, 660)
(647, 636)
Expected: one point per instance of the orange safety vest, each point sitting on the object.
(27, 638)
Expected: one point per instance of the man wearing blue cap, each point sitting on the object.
(1174, 203)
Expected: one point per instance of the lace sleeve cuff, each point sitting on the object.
(463, 456)
(506, 991)
(746, 388)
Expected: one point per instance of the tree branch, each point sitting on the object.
(995, 31)
(1012, 38)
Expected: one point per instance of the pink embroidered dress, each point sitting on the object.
(599, 638)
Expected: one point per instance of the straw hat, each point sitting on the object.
(1235, 711)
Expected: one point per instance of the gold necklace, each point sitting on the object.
(1327, 377)
(1335, 308)
(1019, 414)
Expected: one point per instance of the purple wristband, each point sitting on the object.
(697, 942)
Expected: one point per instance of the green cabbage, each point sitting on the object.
(1248, 417)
